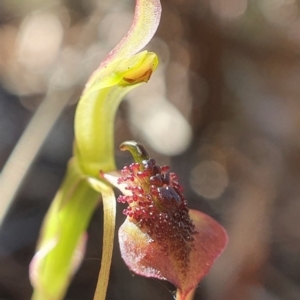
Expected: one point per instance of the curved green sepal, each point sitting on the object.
(95, 114)
(145, 22)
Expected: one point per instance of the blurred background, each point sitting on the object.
(222, 110)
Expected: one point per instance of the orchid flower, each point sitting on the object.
(62, 239)
(161, 237)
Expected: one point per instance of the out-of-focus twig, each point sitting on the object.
(29, 145)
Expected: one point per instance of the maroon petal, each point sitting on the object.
(146, 256)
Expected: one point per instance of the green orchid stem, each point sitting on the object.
(64, 226)
(109, 215)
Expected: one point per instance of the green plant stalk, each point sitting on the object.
(64, 225)
(109, 215)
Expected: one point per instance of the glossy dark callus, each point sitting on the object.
(168, 196)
